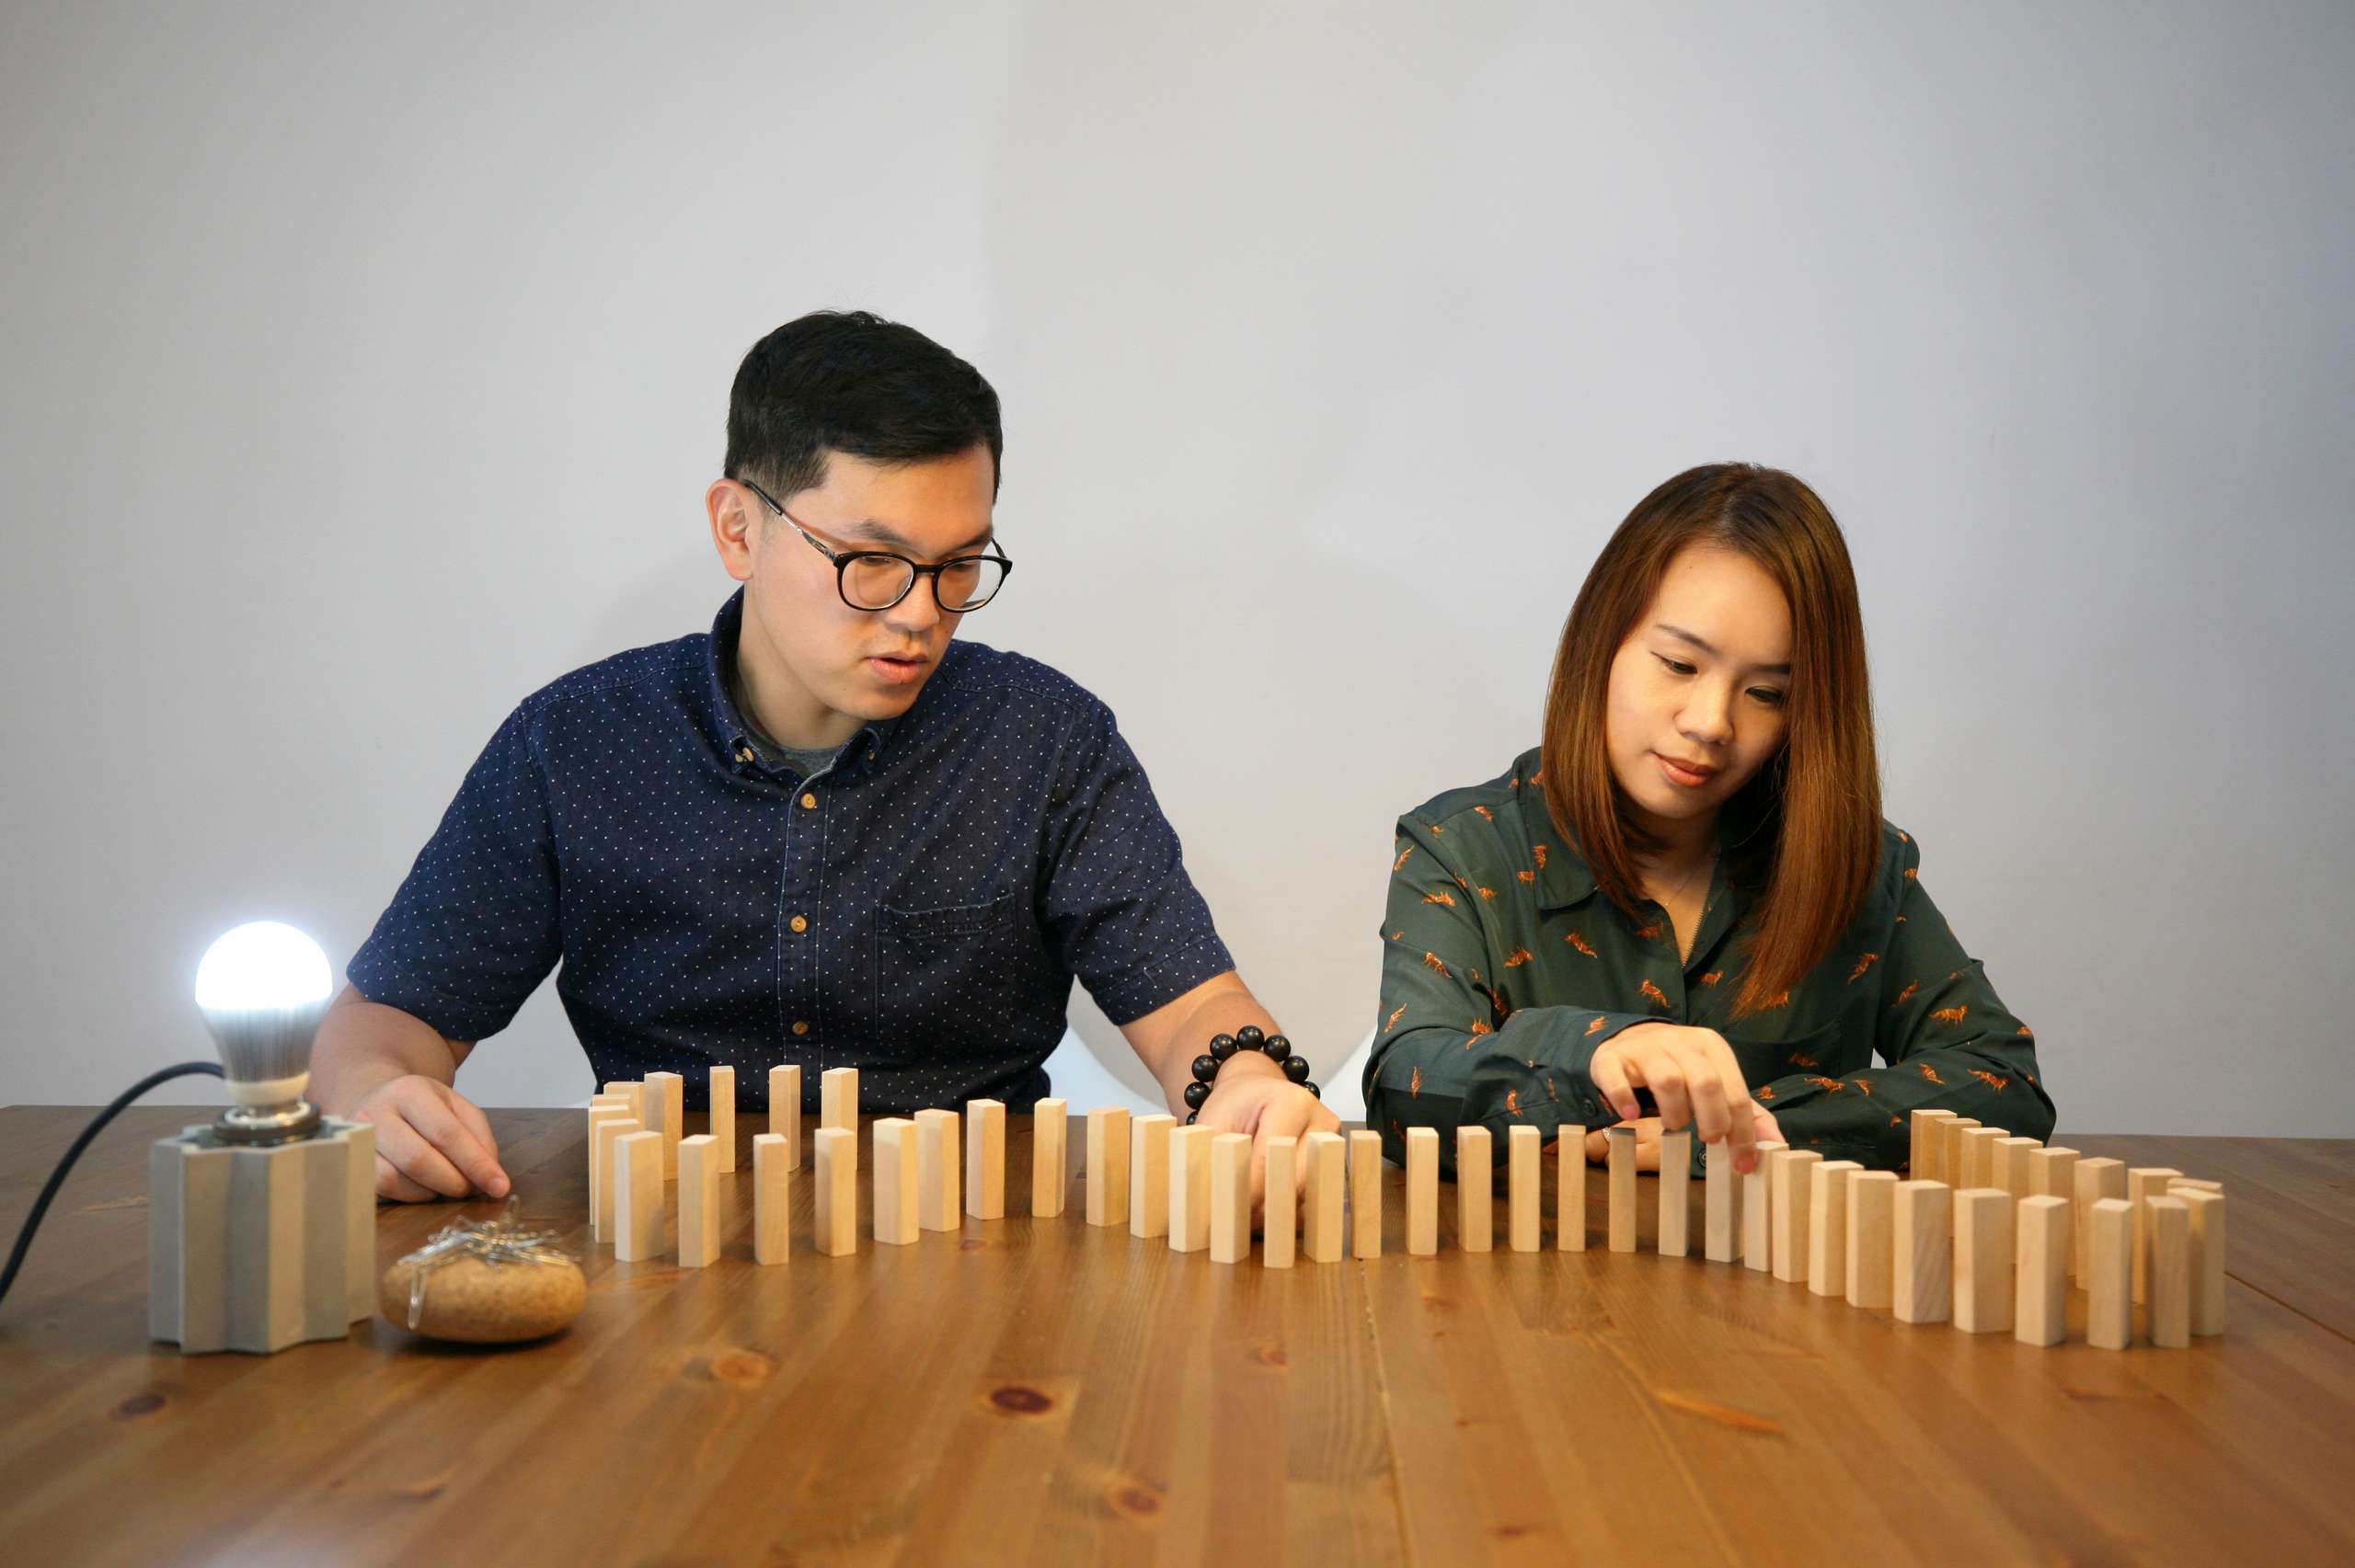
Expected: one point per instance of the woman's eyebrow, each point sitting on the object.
(1681, 633)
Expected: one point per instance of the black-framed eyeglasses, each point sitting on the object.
(877, 579)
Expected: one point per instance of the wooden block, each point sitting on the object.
(940, 1171)
(1524, 1187)
(719, 1088)
(2109, 1268)
(838, 1098)
(898, 1181)
(1675, 1193)
(1788, 1182)
(1365, 1194)
(666, 1112)
(1757, 1208)
(2145, 1183)
(1827, 1227)
(1949, 1134)
(2206, 1216)
(785, 1112)
(2194, 1184)
(698, 1201)
(1190, 1188)
(1149, 1175)
(985, 1158)
(2040, 1267)
(1982, 1260)
(1423, 1191)
(1107, 1167)
(2012, 1155)
(1569, 1188)
(772, 1199)
(600, 1163)
(1979, 1157)
(1230, 1194)
(1320, 1220)
(2096, 1180)
(1619, 1166)
(1872, 1215)
(1919, 1160)
(1050, 1157)
(2169, 1219)
(634, 1091)
(1475, 1189)
(2052, 1172)
(617, 1102)
(639, 1206)
(836, 1148)
(1280, 1221)
(602, 1136)
(1720, 1204)
(1921, 1257)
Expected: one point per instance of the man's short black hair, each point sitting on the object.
(851, 382)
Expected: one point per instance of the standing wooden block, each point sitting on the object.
(1280, 1221)
(613, 1102)
(1789, 1182)
(2096, 1180)
(785, 1112)
(1920, 1162)
(1921, 1277)
(1675, 1193)
(1049, 1158)
(666, 1109)
(1569, 1188)
(2145, 1183)
(1950, 1165)
(632, 1090)
(940, 1171)
(899, 1186)
(2039, 1302)
(638, 1208)
(2170, 1218)
(1979, 1156)
(838, 1098)
(1720, 1204)
(2052, 1172)
(719, 1088)
(772, 1199)
(601, 1136)
(1827, 1227)
(1872, 1215)
(1475, 1189)
(836, 1148)
(1190, 1188)
(2012, 1156)
(1423, 1191)
(1982, 1260)
(2109, 1268)
(1365, 1194)
(1107, 1167)
(1757, 1208)
(1149, 1175)
(985, 1158)
(1524, 1187)
(1326, 1155)
(1230, 1194)
(1619, 1167)
(698, 1201)
(2207, 1215)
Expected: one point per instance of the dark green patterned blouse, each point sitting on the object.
(1503, 968)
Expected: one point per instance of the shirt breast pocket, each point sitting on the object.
(948, 981)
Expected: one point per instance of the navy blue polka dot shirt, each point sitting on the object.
(917, 910)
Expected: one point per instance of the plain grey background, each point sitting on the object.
(365, 367)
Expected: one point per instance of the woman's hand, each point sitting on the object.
(1694, 1080)
(1251, 1094)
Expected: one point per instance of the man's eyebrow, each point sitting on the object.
(1681, 633)
(883, 533)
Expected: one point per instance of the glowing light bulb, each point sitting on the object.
(263, 989)
(262, 963)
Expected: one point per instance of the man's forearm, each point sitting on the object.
(362, 1045)
(1220, 1013)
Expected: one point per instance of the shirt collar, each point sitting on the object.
(735, 735)
(1564, 878)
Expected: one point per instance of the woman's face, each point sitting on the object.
(1695, 705)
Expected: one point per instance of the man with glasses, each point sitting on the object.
(820, 834)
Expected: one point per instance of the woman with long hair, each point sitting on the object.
(1687, 888)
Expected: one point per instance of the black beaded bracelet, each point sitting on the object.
(1275, 1048)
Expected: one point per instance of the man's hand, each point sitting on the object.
(431, 1142)
(1694, 1080)
(1253, 1095)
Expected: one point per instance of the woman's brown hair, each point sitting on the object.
(1805, 833)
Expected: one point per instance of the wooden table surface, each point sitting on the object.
(1047, 1392)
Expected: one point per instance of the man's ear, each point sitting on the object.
(732, 526)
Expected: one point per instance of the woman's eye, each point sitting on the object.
(1768, 695)
(1677, 665)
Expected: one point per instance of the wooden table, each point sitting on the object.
(1047, 1392)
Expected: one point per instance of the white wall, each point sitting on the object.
(364, 365)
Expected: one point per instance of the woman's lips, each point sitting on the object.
(1683, 775)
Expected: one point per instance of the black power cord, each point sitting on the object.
(97, 1124)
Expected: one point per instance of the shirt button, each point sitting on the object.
(809, 802)
(799, 1027)
(799, 925)
(743, 753)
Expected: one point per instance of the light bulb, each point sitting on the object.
(263, 989)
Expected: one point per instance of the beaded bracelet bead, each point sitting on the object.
(1275, 1048)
